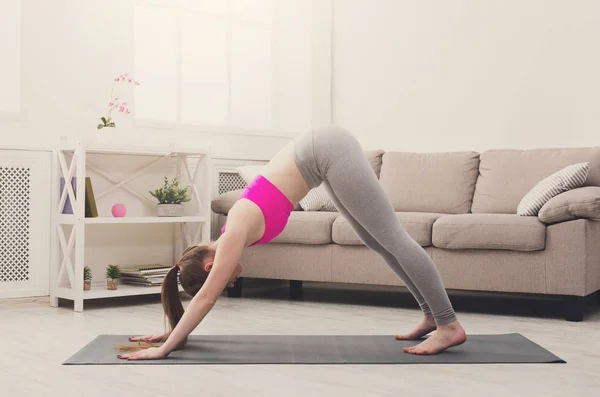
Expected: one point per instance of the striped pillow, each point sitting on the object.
(317, 199)
(568, 178)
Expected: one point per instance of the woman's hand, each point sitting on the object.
(150, 338)
(154, 353)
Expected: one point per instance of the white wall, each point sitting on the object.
(438, 75)
(71, 50)
(59, 59)
(427, 75)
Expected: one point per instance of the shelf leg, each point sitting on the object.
(79, 233)
(78, 305)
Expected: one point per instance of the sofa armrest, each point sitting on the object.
(223, 202)
(578, 203)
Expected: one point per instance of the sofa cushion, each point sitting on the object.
(489, 231)
(583, 202)
(571, 177)
(223, 202)
(375, 159)
(308, 227)
(505, 176)
(430, 182)
(417, 224)
(303, 227)
(318, 199)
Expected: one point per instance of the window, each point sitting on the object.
(10, 48)
(229, 64)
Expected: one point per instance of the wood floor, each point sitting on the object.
(36, 338)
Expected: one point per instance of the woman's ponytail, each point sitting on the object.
(170, 299)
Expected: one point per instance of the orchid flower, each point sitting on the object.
(115, 103)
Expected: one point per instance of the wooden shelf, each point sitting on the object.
(99, 290)
(71, 219)
(135, 150)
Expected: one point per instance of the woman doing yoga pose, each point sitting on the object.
(333, 157)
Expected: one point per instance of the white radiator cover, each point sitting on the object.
(229, 181)
(24, 223)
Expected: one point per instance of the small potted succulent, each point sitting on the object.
(87, 278)
(170, 198)
(113, 274)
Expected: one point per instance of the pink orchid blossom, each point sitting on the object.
(127, 78)
(114, 103)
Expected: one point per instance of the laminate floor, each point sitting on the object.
(37, 338)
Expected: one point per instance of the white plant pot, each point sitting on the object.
(170, 209)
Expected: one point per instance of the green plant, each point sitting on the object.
(87, 273)
(171, 193)
(113, 272)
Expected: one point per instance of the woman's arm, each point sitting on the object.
(229, 251)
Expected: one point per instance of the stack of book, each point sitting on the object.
(144, 275)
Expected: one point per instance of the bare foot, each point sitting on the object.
(426, 326)
(444, 337)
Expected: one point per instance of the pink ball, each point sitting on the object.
(119, 210)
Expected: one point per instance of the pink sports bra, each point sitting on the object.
(275, 206)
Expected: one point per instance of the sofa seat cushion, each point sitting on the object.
(417, 224)
(307, 227)
(303, 227)
(489, 231)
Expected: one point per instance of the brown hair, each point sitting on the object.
(191, 276)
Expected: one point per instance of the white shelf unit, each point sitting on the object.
(67, 257)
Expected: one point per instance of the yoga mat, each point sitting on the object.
(321, 349)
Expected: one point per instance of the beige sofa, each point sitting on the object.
(461, 207)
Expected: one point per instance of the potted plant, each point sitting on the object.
(113, 274)
(115, 103)
(170, 198)
(87, 278)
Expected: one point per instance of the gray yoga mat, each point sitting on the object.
(321, 349)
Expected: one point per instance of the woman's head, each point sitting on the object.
(193, 267)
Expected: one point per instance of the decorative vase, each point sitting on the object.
(170, 209)
(98, 137)
(87, 284)
(112, 284)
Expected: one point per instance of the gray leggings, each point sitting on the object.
(332, 156)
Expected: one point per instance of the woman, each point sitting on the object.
(331, 156)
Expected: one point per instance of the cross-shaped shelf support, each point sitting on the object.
(69, 167)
